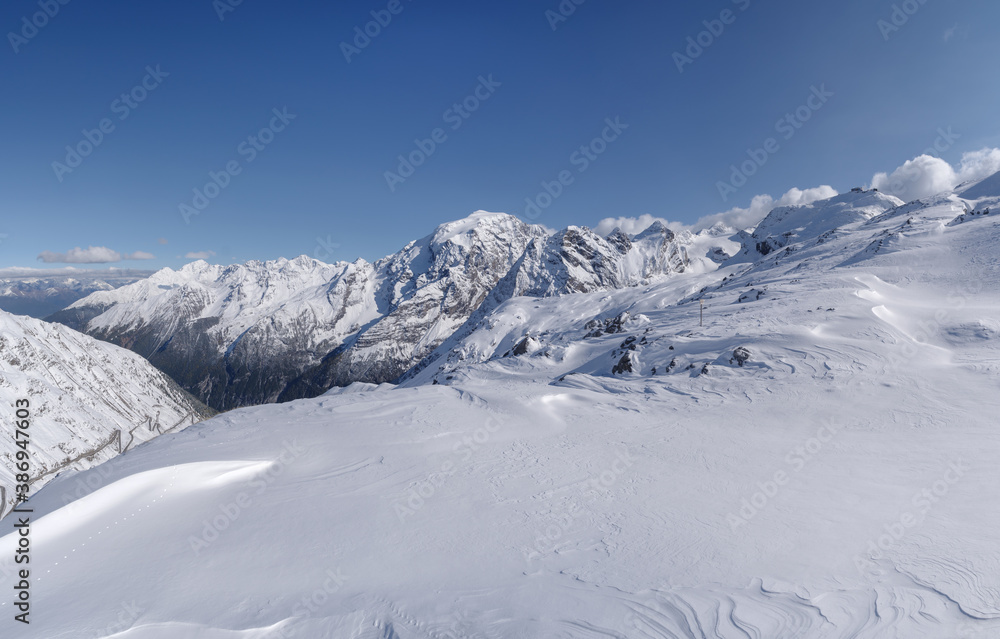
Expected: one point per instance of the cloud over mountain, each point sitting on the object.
(91, 255)
(926, 175)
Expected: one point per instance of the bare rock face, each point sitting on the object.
(609, 326)
(274, 331)
(624, 365)
(427, 291)
(741, 355)
(268, 331)
(527, 345)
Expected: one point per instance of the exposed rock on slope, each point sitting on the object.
(266, 331)
(89, 400)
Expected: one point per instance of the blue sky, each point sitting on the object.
(212, 85)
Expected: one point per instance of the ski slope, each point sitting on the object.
(819, 461)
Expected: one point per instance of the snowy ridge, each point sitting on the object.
(89, 400)
(266, 331)
(818, 459)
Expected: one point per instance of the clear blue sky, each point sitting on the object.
(323, 176)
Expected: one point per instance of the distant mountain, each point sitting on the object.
(796, 441)
(795, 253)
(89, 401)
(267, 331)
(40, 292)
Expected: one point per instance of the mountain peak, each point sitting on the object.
(457, 231)
(657, 228)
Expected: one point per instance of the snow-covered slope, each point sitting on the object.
(423, 293)
(230, 332)
(817, 460)
(796, 224)
(265, 331)
(89, 400)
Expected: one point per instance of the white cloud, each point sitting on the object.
(925, 175)
(630, 225)
(920, 177)
(25, 272)
(950, 33)
(736, 217)
(977, 165)
(743, 218)
(89, 255)
(199, 255)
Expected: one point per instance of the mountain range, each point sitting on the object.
(89, 401)
(783, 431)
(261, 332)
(40, 292)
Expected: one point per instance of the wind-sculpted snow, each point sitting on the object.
(815, 460)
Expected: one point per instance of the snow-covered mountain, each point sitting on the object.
(816, 459)
(40, 292)
(89, 401)
(265, 331)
